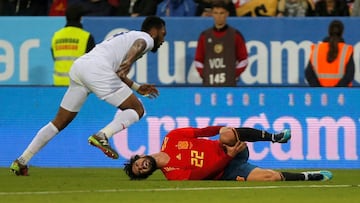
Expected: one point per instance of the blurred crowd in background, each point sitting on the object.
(134, 8)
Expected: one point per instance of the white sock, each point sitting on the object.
(122, 120)
(306, 175)
(44, 135)
(273, 137)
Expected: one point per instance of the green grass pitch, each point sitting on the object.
(106, 185)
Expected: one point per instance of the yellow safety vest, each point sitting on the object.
(329, 74)
(67, 44)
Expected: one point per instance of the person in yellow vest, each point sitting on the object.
(69, 43)
(331, 61)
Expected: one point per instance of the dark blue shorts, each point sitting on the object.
(239, 166)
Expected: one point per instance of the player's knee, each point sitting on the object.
(259, 174)
(271, 175)
(227, 136)
(139, 108)
(63, 118)
(140, 111)
(132, 102)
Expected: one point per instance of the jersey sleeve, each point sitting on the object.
(196, 132)
(241, 54)
(207, 131)
(149, 41)
(200, 55)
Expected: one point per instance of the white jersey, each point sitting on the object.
(113, 50)
(96, 71)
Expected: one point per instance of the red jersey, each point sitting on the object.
(241, 53)
(194, 158)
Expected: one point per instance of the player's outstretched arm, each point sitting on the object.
(146, 90)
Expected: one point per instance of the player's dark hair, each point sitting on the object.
(130, 173)
(152, 22)
(336, 29)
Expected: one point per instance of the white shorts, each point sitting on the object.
(88, 76)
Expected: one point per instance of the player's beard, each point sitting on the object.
(156, 44)
(153, 165)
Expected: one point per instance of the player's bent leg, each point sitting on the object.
(130, 112)
(71, 103)
(132, 102)
(63, 118)
(228, 136)
(122, 120)
(259, 174)
(254, 135)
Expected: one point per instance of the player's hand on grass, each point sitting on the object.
(148, 90)
(236, 149)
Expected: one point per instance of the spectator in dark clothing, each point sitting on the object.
(96, 7)
(25, 7)
(204, 7)
(176, 8)
(143, 7)
(136, 8)
(331, 8)
(122, 9)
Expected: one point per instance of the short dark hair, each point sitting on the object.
(151, 22)
(220, 4)
(74, 12)
(129, 172)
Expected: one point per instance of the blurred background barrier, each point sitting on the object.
(324, 124)
(278, 48)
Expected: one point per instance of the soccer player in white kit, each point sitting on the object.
(103, 71)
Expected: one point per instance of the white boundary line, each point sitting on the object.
(174, 189)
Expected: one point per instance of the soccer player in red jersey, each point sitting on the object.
(186, 154)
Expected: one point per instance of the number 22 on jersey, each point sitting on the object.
(197, 158)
